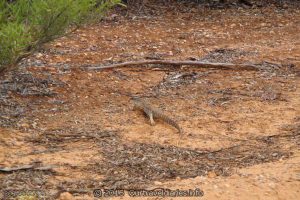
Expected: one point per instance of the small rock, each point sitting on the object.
(263, 24)
(25, 125)
(66, 196)
(211, 174)
(274, 154)
(157, 183)
(39, 55)
(34, 125)
(58, 44)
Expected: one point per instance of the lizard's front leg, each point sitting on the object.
(151, 119)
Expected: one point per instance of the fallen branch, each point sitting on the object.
(25, 167)
(231, 66)
(11, 169)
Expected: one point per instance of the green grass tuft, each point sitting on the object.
(26, 24)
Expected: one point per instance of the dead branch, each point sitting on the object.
(231, 66)
(25, 167)
(11, 169)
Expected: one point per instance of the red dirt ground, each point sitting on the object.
(240, 128)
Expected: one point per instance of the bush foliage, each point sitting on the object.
(26, 24)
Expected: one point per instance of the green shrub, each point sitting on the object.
(26, 24)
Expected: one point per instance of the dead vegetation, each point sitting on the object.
(55, 113)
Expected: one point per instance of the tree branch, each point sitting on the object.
(230, 66)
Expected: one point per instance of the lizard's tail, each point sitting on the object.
(173, 123)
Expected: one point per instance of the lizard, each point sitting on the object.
(152, 113)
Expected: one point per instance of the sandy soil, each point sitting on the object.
(241, 129)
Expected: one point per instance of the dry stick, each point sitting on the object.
(176, 62)
(25, 167)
